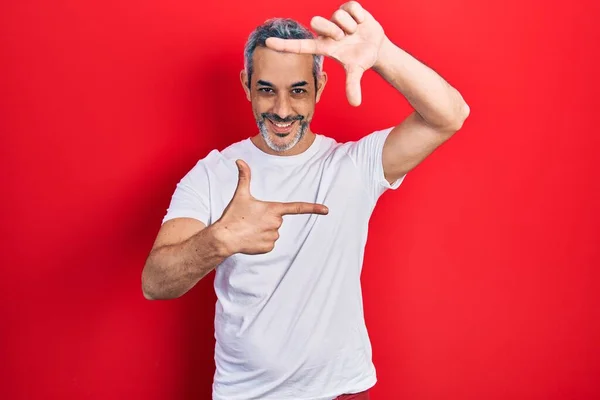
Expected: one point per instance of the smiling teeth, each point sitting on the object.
(283, 125)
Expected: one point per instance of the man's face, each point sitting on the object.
(283, 96)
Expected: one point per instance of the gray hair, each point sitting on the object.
(283, 28)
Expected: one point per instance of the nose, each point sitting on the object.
(282, 106)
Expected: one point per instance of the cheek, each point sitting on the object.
(304, 106)
(262, 103)
(259, 106)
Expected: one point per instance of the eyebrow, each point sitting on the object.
(269, 84)
(264, 83)
(298, 84)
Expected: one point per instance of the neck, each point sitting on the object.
(299, 148)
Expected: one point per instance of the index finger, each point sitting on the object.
(299, 46)
(299, 207)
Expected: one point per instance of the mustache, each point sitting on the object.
(277, 118)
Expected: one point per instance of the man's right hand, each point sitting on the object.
(251, 226)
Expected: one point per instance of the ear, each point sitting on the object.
(321, 82)
(245, 84)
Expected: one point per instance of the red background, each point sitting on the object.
(481, 274)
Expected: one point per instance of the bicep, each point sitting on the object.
(176, 231)
(409, 143)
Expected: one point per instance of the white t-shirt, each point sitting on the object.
(289, 324)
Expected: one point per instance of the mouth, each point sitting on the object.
(282, 129)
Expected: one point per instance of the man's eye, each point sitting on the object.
(265, 90)
(298, 91)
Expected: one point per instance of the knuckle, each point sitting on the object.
(354, 7)
(274, 222)
(338, 15)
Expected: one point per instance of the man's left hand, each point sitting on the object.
(352, 37)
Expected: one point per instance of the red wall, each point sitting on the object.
(481, 275)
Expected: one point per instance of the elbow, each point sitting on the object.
(465, 110)
(456, 123)
(147, 294)
(147, 290)
(152, 293)
(153, 290)
(150, 288)
(461, 116)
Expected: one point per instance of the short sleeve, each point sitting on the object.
(191, 198)
(367, 155)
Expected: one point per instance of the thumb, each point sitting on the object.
(243, 186)
(354, 74)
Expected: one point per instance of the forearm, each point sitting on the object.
(438, 103)
(171, 271)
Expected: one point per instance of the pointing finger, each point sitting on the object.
(301, 208)
(300, 46)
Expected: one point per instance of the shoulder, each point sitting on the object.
(373, 137)
(217, 158)
(371, 142)
(239, 149)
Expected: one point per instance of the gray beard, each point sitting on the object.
(262, 127)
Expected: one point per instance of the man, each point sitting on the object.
(287, 241)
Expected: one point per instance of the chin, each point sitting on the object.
(276, 141)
